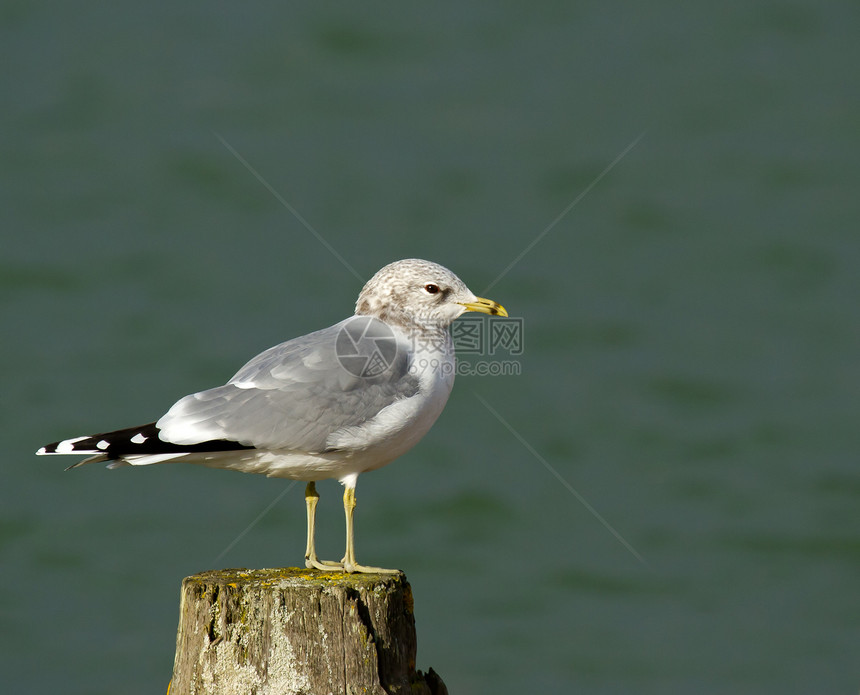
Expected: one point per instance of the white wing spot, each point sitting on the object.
(68, 446)
(103, 444)
(138, 439)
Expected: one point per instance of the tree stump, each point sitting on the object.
(297, 631)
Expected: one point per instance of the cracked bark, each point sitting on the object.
(291, 631)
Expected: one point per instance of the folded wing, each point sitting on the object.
(294, 396)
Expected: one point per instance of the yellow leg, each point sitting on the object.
(311, 559)
(349, 563)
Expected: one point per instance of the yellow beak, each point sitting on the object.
(485, 306)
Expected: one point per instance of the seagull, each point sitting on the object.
(335, 403)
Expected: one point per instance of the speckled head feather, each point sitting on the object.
(414, 293)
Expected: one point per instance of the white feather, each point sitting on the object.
(68, 446)
(147, 459)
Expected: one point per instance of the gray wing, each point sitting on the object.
(297, 394)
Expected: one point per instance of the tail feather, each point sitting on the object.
(132, 445)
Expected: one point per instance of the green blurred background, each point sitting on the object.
(691, 325)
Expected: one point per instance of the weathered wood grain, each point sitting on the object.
(291, 631)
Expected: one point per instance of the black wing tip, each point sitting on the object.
(133, 441)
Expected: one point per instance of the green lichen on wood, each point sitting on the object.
(267, 578)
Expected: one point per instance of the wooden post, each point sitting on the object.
(297, 631)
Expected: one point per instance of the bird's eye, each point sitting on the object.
(430, 288)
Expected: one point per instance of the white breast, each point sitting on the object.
(401, 425)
